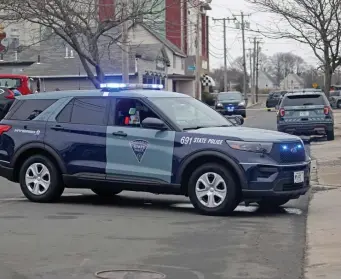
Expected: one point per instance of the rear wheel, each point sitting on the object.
(330, 135)
(213, 190)
(107, 193)
(40, 180)
(273, 202)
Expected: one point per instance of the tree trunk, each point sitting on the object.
(327, 80)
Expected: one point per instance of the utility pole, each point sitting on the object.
(197, 56)
(125, 46)
(257, 69)
(254, 70)
(251, 80)
(243, 26)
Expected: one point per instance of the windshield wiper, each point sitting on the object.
(193, 128)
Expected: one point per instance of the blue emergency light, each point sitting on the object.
(127, 86)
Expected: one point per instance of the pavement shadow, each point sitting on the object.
(174, 205)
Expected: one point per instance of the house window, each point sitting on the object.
(174, 61)
(182, 63)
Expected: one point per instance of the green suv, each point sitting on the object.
(306, 113)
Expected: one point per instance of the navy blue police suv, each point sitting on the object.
(125, 137)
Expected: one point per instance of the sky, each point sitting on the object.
(258, 22)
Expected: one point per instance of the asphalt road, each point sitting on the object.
(83, 234)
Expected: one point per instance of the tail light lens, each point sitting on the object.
(4, 128)
(10, 96)
(281, 112)
(326, 110)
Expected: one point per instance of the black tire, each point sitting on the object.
(243, 114)
(105, 193)
(330, 135)
(338, 105)
(56, 186)
(273, 202)
(232, 197)
(269, 109)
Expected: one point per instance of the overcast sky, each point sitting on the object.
(258, 21)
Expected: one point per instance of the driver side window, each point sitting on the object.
(131, 112)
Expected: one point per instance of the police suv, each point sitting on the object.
(127, 138)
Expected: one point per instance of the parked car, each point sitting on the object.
(7, 98)
(274, 98)
(335, 99)
(303, 113)
(231, 103)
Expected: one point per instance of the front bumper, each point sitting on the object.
(236, 111)
(275, 181)
(306, 129)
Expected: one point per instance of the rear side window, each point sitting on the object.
(26, 110)
(89, 111)
(303, 100)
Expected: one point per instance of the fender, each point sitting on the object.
(40, 145)
(237, 168)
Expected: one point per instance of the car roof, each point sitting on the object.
(93, 93)
(303, 93)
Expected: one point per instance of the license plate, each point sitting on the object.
(299, 177)
(230, 108)
(304, 113)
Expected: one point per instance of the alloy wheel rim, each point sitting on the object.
(211, 189)
(37, 179)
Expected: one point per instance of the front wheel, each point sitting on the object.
(213, 190)
(40, 180)
(273, 202)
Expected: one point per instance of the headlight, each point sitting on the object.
(241, 103)
(219, 104)
(258, 147)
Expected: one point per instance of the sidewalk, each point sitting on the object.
(323, 255)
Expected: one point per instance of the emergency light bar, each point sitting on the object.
(130, 86)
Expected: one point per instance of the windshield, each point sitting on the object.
(10, 82)
(189, 113)
(303, 100)
(230, 96)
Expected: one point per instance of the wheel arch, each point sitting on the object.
(195, 160)
(33, 149)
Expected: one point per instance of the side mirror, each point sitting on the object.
(236, 120)
(154, 123)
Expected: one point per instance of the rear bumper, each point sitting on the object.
(6, 171)
(276, 181)
(306, 129)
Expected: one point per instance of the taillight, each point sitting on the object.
(326, 110)
(10, 96)
(281, 112)
(4, 128)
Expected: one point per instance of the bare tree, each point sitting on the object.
(284, 63)
(312, 22)
(87, 26)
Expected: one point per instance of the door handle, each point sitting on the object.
(57, 127)
(119, 134)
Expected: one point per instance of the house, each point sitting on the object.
(292, 81)
(265, 81)
(152, 59)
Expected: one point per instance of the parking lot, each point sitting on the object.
(84, 234)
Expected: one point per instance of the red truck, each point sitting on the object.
(22, 83)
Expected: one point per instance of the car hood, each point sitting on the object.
(246, 134)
